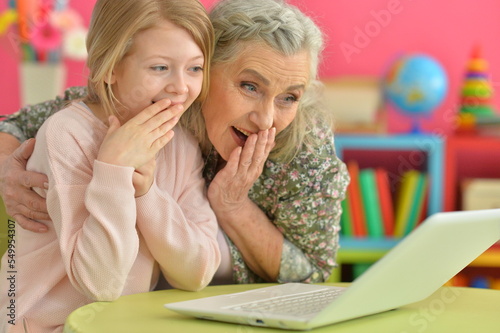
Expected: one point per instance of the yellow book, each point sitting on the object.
(404, 201)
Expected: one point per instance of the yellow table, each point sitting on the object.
(4, 226)
(448, 310)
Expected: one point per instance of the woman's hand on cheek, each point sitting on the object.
(136, 142)
(228, 191)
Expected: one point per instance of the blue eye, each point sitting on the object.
(160, 68)
(291, 98)
(197, 69)
(287, 100)
(249, 86)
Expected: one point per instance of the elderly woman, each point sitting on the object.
(280, 215)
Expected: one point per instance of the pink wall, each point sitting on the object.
(363, 36)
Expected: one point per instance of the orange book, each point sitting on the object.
(385, 198)
(355, 201)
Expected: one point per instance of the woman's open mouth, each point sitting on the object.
(240, 135)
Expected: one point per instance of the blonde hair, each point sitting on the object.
(285, 29)
(111, 34)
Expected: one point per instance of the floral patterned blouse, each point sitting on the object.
(302, 198)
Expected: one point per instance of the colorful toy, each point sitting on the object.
(476, 94)
(477, 90)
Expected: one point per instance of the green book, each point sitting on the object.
(359, 268)
(417, 204)
(345, 218)
(371, 203)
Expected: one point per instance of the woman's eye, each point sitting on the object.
(249, 87)
(289, 99)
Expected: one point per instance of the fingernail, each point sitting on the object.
(46, 186)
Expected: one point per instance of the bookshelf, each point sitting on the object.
(447, 161)
(397, 153)
(468, 156)
(431, 145)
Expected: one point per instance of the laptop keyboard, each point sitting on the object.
(300, 304)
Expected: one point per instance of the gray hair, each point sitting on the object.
(281, 26)
(286, 30)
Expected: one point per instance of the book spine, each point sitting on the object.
(404, 201)
(355, 201)
(386, 202)
(371, 203)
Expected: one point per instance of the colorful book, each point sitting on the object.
(355, 201)
(417, 204)
(371, 203)
(425, 206)
(404, 201)
(345, 218)
(386, 202)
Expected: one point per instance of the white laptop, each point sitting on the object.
(414, 269)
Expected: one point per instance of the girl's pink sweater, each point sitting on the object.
(103, 242)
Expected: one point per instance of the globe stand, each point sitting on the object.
(415, 127)
(416, 120)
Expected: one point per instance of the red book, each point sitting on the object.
(355, 201)
(385, 198)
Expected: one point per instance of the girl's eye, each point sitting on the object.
(197, 69)
(160, 68)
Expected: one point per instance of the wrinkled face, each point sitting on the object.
(163, 62)
(260, 90)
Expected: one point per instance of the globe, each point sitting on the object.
(415, 84)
